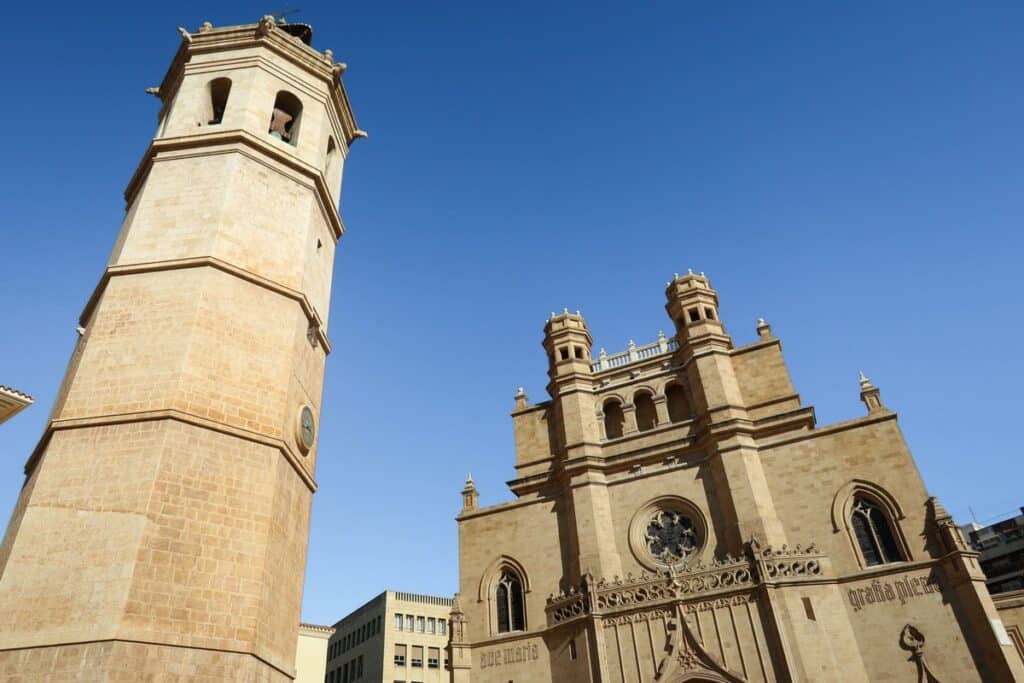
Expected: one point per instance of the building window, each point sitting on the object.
(509, 598)
(671, 536)
(874, 534)
(431, 625)
(614, 420)
(398, 622)
(417, 657)
(399, 655)
(646, 414)
(284, 121)
(572, 649)
(420, 624)
(441, 626)
(379, 623)
(359, 667)
(678, 404)
(220, 88)
(433, 658)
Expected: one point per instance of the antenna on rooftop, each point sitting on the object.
(279, 17)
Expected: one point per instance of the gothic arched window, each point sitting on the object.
(874, 533)
(509, 602)
(614, 420)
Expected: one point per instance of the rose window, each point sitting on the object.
(670, 536)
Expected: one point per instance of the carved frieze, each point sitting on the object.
(728, 575)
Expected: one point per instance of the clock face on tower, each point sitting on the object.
(307, 428)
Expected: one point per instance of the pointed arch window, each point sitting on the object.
(874, 533)
(509, 603)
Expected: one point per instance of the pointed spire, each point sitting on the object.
(470, 496)
(870, 394)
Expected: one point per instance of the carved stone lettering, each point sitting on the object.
(900, 589)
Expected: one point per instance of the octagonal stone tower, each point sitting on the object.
(161, 532)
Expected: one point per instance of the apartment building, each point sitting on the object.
(394, 638)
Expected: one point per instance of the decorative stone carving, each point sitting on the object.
(686, 658)
(913, 640)
(266, 24)
(724, 582)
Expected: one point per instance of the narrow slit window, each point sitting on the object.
(694, 315)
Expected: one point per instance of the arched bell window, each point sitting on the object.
(220, 88)
(646, 413)
(874, 533)
(508, 600)
(286, 117)
(678, 405)
(614, 419)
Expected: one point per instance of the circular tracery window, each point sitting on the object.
(667, 532)
(670, 536)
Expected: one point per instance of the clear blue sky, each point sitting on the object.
(851, 173)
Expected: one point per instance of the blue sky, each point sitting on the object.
(852, 173)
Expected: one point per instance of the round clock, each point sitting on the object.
(307, 428)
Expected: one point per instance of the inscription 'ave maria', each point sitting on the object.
(509, 655)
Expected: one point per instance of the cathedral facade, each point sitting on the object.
(680, 516)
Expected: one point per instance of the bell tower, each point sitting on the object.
(163, 523)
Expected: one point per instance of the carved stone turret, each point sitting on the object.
(568, 343)
(693, 307)
(470, 496)
(870, 394)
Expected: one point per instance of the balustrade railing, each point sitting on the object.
(634, 353)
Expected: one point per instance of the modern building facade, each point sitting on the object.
(680, 516)
(394, 638)
(311, 653)
(12, 402)
(1001, 549)
(161, 532)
